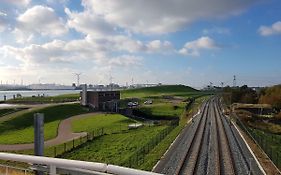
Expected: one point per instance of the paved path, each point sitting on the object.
(64, 134)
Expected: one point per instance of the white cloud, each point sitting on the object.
(39, 20)
(89, 23)
(193, 48)
(154, 17)
(3, 14)
(2, 26)
(125, 60)
(17, 2)
(270, 30)
(159, 46)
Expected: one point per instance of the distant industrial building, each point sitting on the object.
(100, 100)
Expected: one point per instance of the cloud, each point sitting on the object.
(3, 14)
(89, 23)
(3, 23)
(270, 30)
(125, 60)
(39, 20)
(193, 48)
(17, 2)
(2, 26)
(152, 17)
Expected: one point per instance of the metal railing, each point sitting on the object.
(53, 164)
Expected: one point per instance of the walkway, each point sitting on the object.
(65, 134)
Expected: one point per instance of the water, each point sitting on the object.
(9, 94)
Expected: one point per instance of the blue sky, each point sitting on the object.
(173, 42)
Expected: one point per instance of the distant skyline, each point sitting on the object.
(191, 42)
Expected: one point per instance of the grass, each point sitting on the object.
(7, 111)
(117, 148)
(54, 99)
(158, 91)
(270, 143)
(163, 109)
(19, 129)
(160, 149)
(114, 148)
(109, 121)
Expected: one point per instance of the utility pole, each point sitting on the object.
(234, 81)
(132, 81)
(78, 78)
(222, 83)
(110, 82)
(211, 85)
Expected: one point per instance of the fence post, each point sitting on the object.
(64, 147)
(80, 140)
(55, 151)
(7, 170)
(73, 144)
(277, 159)
(93, 134)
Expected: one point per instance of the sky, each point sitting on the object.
(192, 42)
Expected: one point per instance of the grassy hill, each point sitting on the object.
(19, 127)
(159, 90)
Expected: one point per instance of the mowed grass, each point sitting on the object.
(19, 129)
(48, 99)
(158, 91)
(111, 122)
(114, 148)
(163, 109)
(7, 111)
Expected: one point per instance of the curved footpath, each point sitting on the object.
(65, 134)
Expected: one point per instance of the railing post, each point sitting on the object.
(53, 170)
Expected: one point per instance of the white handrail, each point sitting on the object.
(65, 163)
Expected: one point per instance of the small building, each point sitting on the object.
(101, 100)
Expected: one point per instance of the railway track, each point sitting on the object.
(188, 167)
(210, 146)
(209, 152)
(226, 159)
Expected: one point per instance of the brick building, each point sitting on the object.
(101, 100)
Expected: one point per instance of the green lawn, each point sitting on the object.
(163, 109)
(111, 122)
(54, 99)
(8, 111)
(158, 91)
(19, 129)
(114, 148)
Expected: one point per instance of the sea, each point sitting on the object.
(10, 94)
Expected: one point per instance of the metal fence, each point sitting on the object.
(265, 142)
(59, 150)
(138, 157)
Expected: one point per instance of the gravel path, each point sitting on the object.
(64, 134)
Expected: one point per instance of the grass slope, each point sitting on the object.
(163, 109)
(114, 148)
(158, 90)
(19, 129)
(54, 99)
(107, 121)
